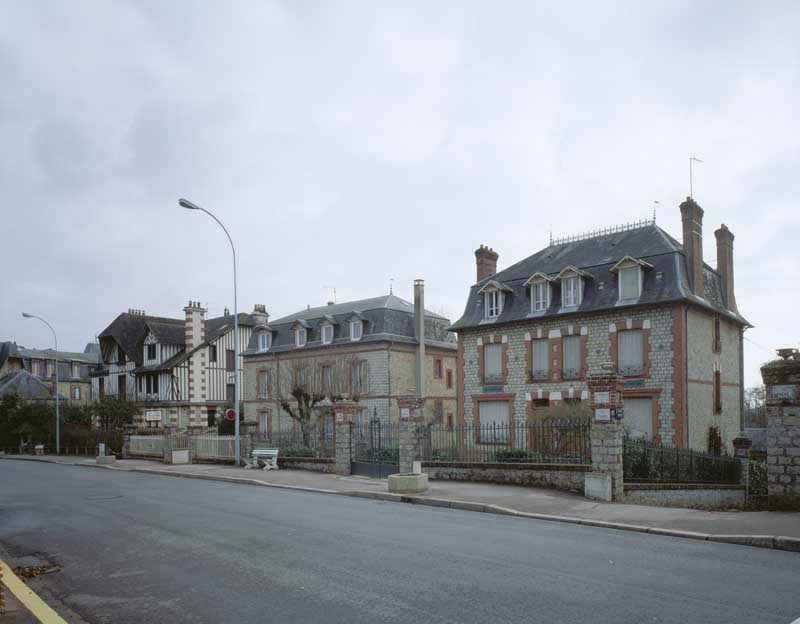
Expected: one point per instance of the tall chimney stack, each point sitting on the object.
(485, 262)
(725, 263)
(195, 324)
(260, 315)
(419, 333)
(692, 219)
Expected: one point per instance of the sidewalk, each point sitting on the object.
(516, 498)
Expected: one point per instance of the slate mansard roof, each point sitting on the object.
(667, 281)
(386, 318)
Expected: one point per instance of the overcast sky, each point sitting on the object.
(346, 144)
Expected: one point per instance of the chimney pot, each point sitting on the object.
(330, 303)
(485, 262)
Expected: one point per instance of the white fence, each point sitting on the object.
(148, 446)
(212, 447)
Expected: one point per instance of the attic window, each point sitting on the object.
(493, 300)
(630, 283)
(570, 292)
(264, 341)
(300, 337)
(356, 330)
(327, 334)
(540, 296)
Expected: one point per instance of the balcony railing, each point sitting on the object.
(571, 373)
(631, 371)
(539, 375)
(493, 378)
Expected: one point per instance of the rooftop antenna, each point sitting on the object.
(691, 160)
(391, 285)
(655, 205)
(333, 289)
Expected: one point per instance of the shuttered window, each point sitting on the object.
(639, 418)
(263, 384)
(629, 283)
(631, 352)
(540, 359)
(493, 417)
(572, 357)
(493, 364)
(359, 381)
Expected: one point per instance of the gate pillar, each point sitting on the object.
(410, 421)
(605, 482)
(344, 411)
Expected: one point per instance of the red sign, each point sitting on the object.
(230, 414)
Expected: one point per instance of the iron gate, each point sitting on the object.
(374, 449)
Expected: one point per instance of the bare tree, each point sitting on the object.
(755, 413)
(304, 384)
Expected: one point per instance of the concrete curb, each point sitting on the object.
(776, 542)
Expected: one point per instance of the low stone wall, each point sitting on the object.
(690, 496)
(308, 463)
(568, 477)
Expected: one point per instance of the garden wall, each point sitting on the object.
(326, 464)
(568, 477)
(691, 496)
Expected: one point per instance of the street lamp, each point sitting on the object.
(55, 366)
(185, 203)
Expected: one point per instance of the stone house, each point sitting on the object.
(371, 343)
(74, 384)
(181, 371)
(633, 297)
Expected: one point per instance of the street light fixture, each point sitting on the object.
(185, 203)
(55, 366)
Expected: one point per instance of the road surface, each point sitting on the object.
(146, 548)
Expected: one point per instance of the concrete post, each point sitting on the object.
(782, 381)
(410, 421)
(344, 411)
(607, 433)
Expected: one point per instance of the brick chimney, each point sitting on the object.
(485, 262)
(419, 334)
(725, 263)
(195, 324)
(259, 314)
(692, 219)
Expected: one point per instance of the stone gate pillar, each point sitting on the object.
(410, 420)
(782, 381)
(344, 412)
(605, 482)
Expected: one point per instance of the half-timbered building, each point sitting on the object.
(181, 372)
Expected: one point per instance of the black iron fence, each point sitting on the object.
(318, 442)
(560, 441)
(645, 462)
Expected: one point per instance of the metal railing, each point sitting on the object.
(315, 443)
(562, 441)
(146, 446)
(645, 462)
(214, 447)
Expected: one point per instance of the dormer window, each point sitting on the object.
(630, 276)
(570, 292)
(151, 352)
(264, 341)
(539, 284)
(493, 300)
(356, 330)
(300, 337)
(327, 334)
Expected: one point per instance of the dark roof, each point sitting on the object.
(666, 281)
(63, 356)
(385, 319)
(26, 386)
(172, 332)
(127, 330)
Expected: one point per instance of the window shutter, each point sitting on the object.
(493, 365)
(572, 355)
(631, 352)
(629, 283)
(364, 373)
(639, 418)
(540, 357)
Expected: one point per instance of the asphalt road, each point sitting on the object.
(143, 548)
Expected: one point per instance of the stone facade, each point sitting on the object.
(561, 477)
(687, 496)
(782, 381)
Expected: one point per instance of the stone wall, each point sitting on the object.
(687, 496)
(566, 477)
(305, 463)
(782, 381)
(599, 329)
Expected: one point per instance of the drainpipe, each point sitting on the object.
(419, 332)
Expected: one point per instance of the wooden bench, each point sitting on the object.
(268, 455)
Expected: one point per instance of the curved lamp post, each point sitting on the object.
(185, 203)
(55, 366)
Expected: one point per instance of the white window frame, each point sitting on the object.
(297, 334)
(360, 326)
(539, 305)
(577, 291)
(263, 384)
(264, 341)
(325, 329)
(76, 370)
(493, 303)
(638, 270)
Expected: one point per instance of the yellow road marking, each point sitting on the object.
(38, 607)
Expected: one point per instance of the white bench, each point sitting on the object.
(268, 455)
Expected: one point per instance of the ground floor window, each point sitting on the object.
(639, 417)
(494, 422)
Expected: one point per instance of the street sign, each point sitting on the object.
(230, 414)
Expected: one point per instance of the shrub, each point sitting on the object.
(298, 451)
